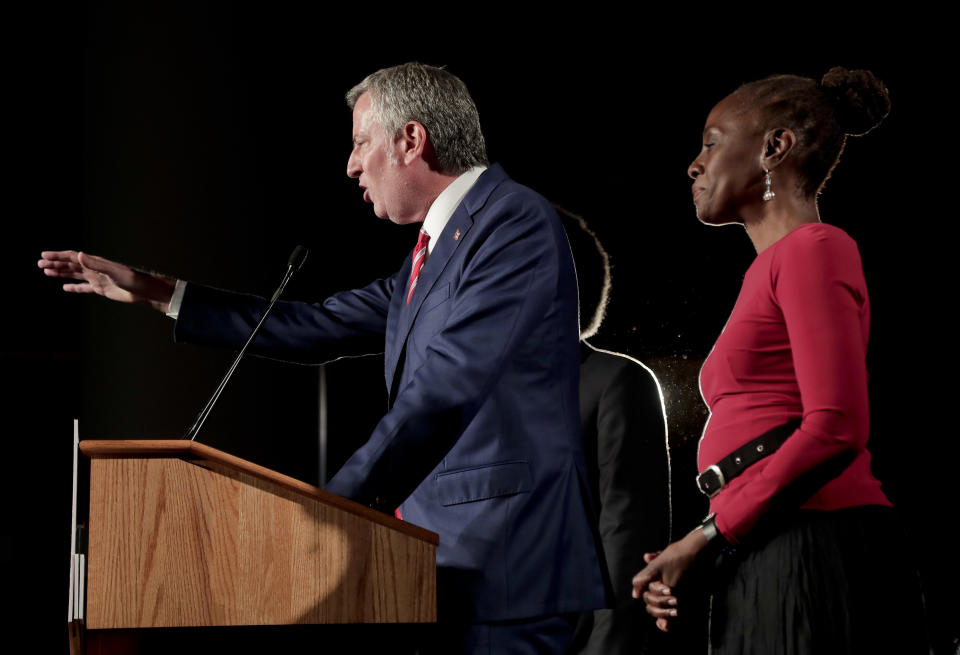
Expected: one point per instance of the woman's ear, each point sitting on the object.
(778, 143)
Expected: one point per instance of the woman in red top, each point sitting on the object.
(804, 529)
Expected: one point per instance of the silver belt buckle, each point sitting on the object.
(720, 479)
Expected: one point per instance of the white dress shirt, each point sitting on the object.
(446, 203)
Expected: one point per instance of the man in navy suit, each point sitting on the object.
(481, 442)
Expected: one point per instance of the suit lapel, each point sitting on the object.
(459, 224)
(453, 234)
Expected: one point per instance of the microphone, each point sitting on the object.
(294, 264)
(297, 258)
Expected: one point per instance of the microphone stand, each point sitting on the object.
(297, 257)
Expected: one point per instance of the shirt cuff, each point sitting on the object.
(173, 309)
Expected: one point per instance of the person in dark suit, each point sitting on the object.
(479, 329)
(624, 430)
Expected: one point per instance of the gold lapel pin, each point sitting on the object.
(456, 236)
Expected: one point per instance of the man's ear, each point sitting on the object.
(778, 143)
(412, 142)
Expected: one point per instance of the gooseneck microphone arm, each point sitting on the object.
(297, 258)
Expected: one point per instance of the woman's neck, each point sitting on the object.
(779, 217)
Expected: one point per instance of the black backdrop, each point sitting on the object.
(206, 140)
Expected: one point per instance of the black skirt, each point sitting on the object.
(820, 583)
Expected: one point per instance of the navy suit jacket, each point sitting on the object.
(481, 443)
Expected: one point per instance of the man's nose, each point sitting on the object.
(353, 165)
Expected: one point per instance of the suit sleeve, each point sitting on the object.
(818, 284)
(345, 324)
(507, 286)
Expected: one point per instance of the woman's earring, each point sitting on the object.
(768, 194)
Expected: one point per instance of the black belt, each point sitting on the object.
(718, 475)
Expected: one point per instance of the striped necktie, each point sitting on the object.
(419, 257)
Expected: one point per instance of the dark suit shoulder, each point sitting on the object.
(494, 187)
(603, 368)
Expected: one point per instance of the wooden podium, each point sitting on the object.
(181, 534)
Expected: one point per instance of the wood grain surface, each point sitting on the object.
(182, 543)
(200, 453)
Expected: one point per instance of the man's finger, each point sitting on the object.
(57, 263)
(64, 271)
(94, 263)
(82, 287)
(59, 255)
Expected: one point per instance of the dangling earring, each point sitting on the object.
(768, 194)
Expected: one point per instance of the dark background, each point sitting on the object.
(206, 140)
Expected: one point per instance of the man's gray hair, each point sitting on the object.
(436, 99)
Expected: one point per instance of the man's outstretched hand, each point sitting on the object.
(92, 274)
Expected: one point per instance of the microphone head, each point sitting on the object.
(297, 258)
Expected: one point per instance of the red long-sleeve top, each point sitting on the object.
(794, 346)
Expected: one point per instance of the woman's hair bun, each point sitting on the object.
(860, 100)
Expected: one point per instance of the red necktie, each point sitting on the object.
(419, 257)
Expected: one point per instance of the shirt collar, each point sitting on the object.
(446, 203)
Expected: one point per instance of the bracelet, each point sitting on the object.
(716, 542)
(709, 527)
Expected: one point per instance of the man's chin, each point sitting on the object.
(380, 212)
(400, 218)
